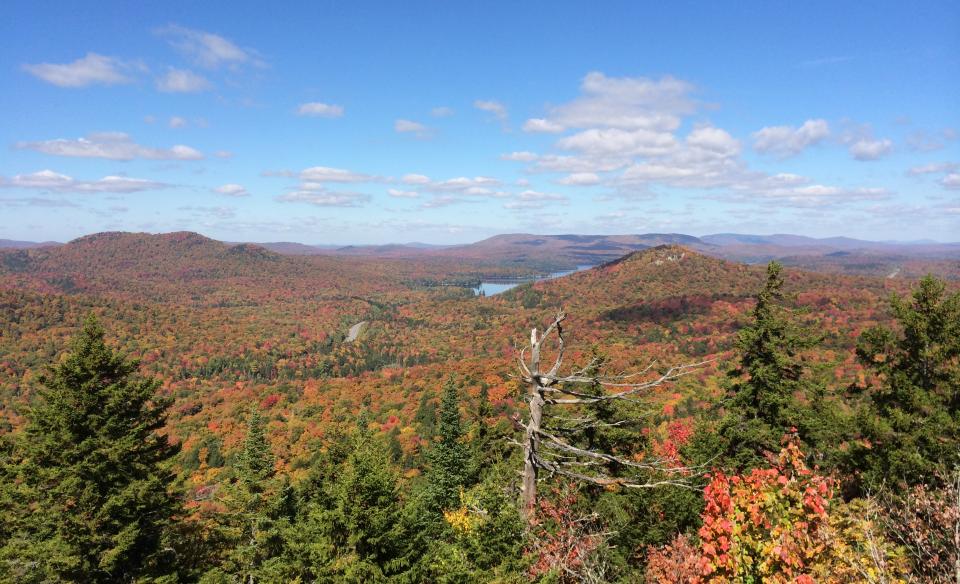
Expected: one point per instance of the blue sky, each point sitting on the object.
(442, 122)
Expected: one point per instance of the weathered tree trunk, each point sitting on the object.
(532, 442)
(558, 456)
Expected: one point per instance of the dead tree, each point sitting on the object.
(551, 453)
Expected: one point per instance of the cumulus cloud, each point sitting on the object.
(602, 142)
(323, 174)
(787, 141)
(541, 125)
(313, 188)
(411, 127)
(415, 179)
(951, 181)
(318, 109)
(207, 49)
(580, 179)
(441, 201)
(627, 103)
(232, 190)
(523, 156)
(478, 185)
(93, 69)
(455, 190)
(323, 197)
(401, 194)
(182, 81)
(177, 122)
(111, 146)
(50, 181)
(869, 149)
(442, 112)
(531, 199)
(713, 140)
(496, 108)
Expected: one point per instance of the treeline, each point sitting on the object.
(783, 478)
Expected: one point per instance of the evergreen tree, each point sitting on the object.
(762, 403)
(449, 459)
(350, 525)
(911, 420)
(258, 507)
(94, 499)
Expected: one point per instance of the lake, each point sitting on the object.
(496, 286)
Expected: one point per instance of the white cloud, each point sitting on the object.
(313, 188)
(580, 179)
(415, 179)
(112, 146)
(541, 125)
(787, 141)
(320, 110)
(531, 199)
(602, 142)
(714, 140)
(93, 69)
(411, 127)
(182, 81)
(177, 122)
(494, 107)
(523, 156)
(400, 194)
(869, 149)
(207, 49)
(442, 112)
(232, 190)
(627, 103)
(323, 197)
(820, 195)
(323, 174)
(478, 185)
(48, 180)
(442, 201)
(933, 168)
(951, 181)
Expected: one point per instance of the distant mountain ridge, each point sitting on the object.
(15, 244)
(552, 252)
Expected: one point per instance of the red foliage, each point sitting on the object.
(562, 540)
(764, 525)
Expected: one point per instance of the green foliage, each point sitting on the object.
(484, 537)
(911, 420)
(93, 499)
(448, 459)
(258, 508)
(350, 525)
(762, 402)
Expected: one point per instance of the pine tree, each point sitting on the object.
(911, 420)
(762, 405)
(94, 491)
(449, 459)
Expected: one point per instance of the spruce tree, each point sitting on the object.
(762, 404)
(911, 419)
(94, 498)
(257, 507)
(449, 459)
